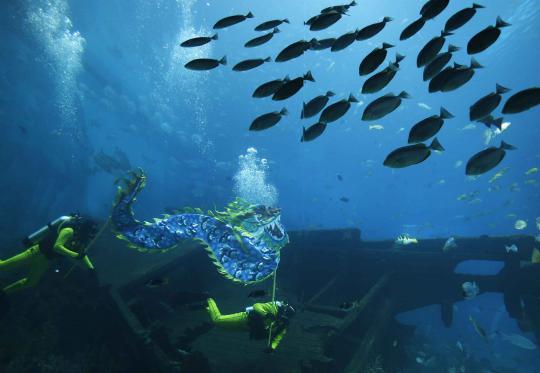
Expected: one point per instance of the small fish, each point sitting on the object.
(424, 106)
(339, 8)
(411, 154)
(231, 20)
(324, 20)
(344, 199)
(487, 159)
(498, 175)
(513, 248)
(449, 244)
(470, 290)
(535, 256)
(198, 41)
(521, 101)
(312, 132)
(485, 38)
(157, 282)
(291, 87)
(377, 127)
(321, 44)
(518, 340)
(412, 29)
(201, 64)
(468, 127)
(372, 30)
(383, 106)
(338, 109)
(405, 239)
(374, 59)
(538, 223)
(520, 224)
(461, 17)
(431, 49)
(428, 127)
(339, 177)
(531, 171)
(294, 50)
(439, 62)
(258, 294)
(458, 164)
(267, 120)
(459, 76)
(315, 105)
(250, 64)
(380, 80)
(484, 106)
(269, 88)
(23, 129)
(459, 346)
(433, 8)
(269, 25)
(260, 40)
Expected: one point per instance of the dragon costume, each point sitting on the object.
(244, 241)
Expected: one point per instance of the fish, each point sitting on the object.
(294, 50)
(449, 244)
(461, 17)
(258, 294)
(412, 29)
(269, 88)
(231, 20)
(522, 101)
(470, 290)
(157, 282)
(344, 199)
(481, 332)
(438, 63)
(339, 177)
(374, 59)
(411, 154)
(201, 64)
(312, 132)
(424, 106)
(339, 8)
(324, 20)
(291, 87)
(535, 256)
(518, 340)
(485, 38)
(260, 40)
(538, 223)
(520, 224)
(405, 239)
(433, 8)
(437, 82)
(376, 127)
(380, 80)
(458, 164)
(344, 41)
(23, 129)
(513, 248)
(319, 45)
(428, 127)
(459, 76)
(338, 109)
(430, 50)
(498, 175)
(484, 106)
(250, 64)
(487, 159)
(269, 25)
(267, 120)
(198, 41)
(499, 123)
(372, 30)
(383, 106)
(460, 347)
(315, 105)
(531, 171)
(537, 238)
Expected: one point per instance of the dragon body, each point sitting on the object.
(244, 241)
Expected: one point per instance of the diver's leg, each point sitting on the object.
(235, 321)
(19, 259)
(38, 266)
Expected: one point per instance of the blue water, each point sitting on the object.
(78, 78)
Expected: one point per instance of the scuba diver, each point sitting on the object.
(262, 320)
(67, 236)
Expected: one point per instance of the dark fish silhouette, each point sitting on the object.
(269, 88)
(232, 20)
(294, 50)
(433, 8)
(339, 8)
(412, 29)
(344, 41)
(483, 40)
(250, 64)
(491, 121)
(344, 199)
(198, 41)
(428, 127)
(315, 105)
(201, 64)
(521, 101)
(260, 40)
(291, 87)
(157, 282)
(336, 110)
(312, 132)
(438, 63)
(319, 45)
(459, 76)
(267, 120)
(258, 294)
(411, 154)
(437, 82)
(324, 20)
(487, 159)
(461, 17)
(269, 25)
(339, 177)
(430, 50)
(372, 30)
(374, 59)
(484, 106)
(383, 106)
(380, 80)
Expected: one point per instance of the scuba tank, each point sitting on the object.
(39, 235)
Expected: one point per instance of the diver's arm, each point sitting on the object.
(65, 236)
(279, 336)
(87, 262)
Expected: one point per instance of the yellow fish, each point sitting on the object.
(531, 171)
(520, 224)
(535, 256)
(498, 175)
(530, 182)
